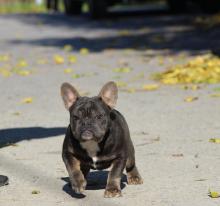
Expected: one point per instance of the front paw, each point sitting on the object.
(134, 180)
(112, 192)
(79, 186)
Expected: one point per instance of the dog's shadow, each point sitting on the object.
(96, 180)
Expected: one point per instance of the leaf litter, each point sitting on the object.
(201, 69)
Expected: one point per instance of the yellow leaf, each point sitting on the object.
(150, 87)
(68, 70)
(27, 100)
(58, 59)
(23, 72)
(190, 99)
(201, 69)
(67, 48)
(76, 76)
(122, 70)
(213, 194)
(84, 51)
(5, 72)
(214, 140)
(72, 59)
(22, 63)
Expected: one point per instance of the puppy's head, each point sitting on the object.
(89, 116)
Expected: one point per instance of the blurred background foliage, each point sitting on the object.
(21, 6)
(40, 6)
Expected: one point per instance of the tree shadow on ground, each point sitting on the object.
(96, 180)
(14, 135)
(152, 30)
(84, 20)
(174, 34)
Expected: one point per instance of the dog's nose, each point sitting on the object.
(87, 135)
(87, 123)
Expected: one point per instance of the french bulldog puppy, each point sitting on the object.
(97, 138)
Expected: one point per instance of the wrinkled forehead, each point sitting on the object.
(88, 106)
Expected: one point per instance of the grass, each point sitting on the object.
(21, 7)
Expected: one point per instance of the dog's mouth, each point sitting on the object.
(87, 135)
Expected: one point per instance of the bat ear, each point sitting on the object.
(69, 94)
(109, 94)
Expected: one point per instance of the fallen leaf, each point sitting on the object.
(72, 59)
(76, 76)
(58, 59)
(68, 48)
(35, 192)
(201, 69)
(5, 72)
(68, 70)
(150, 87)
(213, 194)
(22, 63)
(84, 51)
(190, 99)
(27, 100)
(214, 140)
(23, 72)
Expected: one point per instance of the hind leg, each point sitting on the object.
(133, 176)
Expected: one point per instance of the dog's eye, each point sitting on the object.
(75, 117)
(99, 116)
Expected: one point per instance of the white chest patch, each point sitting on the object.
(92, 148)
(94, 159)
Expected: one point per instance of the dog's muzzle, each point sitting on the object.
(87, 135)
